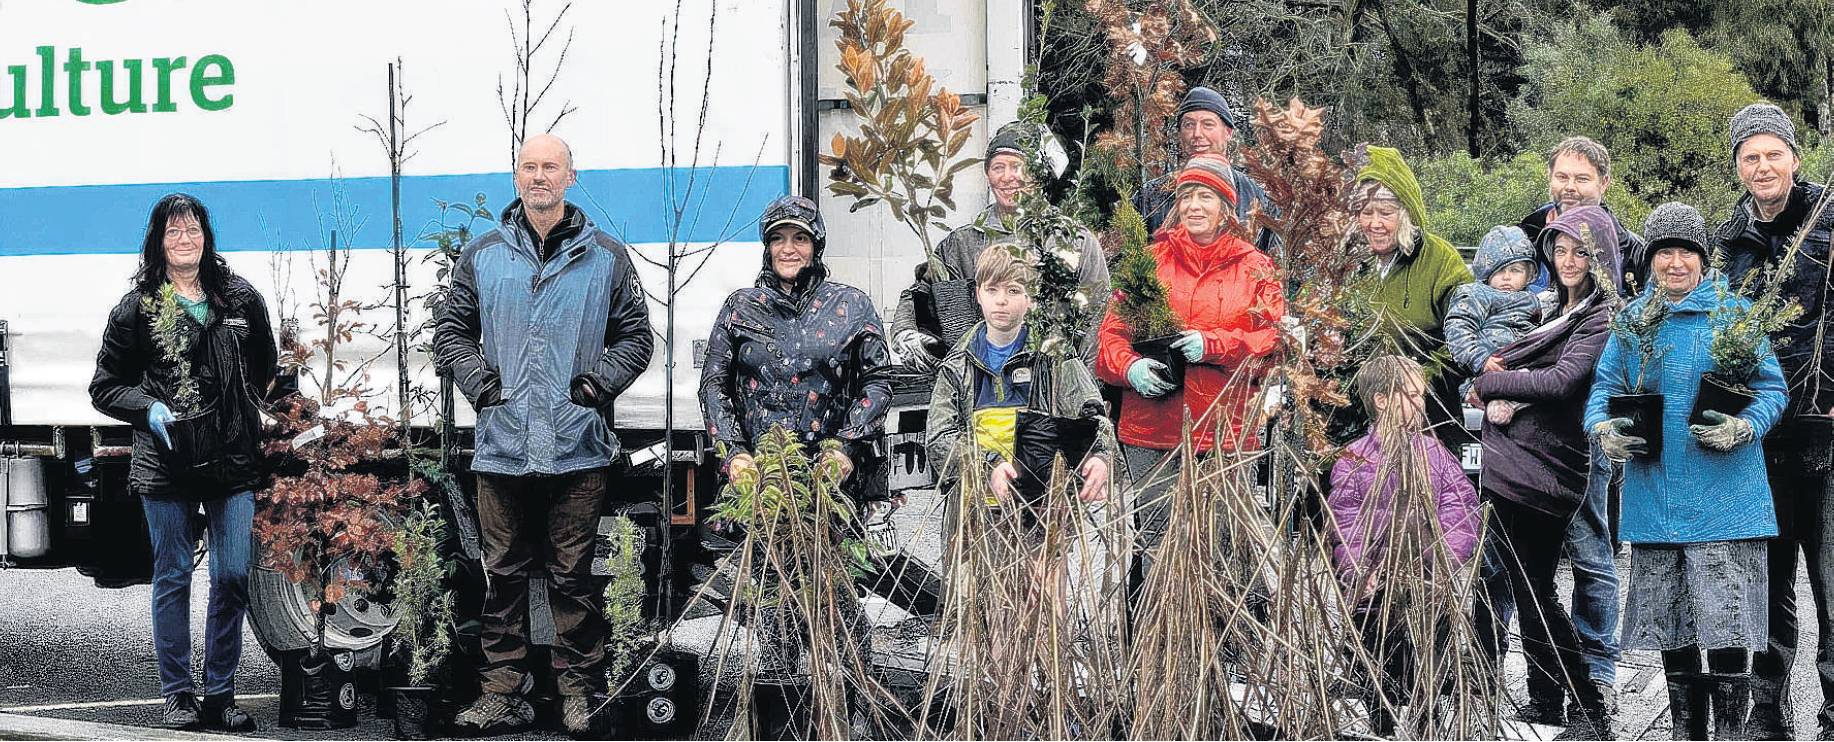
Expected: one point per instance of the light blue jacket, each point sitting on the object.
(516, 333)
(1691, 494)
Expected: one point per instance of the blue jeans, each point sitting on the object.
(170, 524)
(1595, 588)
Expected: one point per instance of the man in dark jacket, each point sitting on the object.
(1776, 210)
(1578, 174)
(545, 324)
(1205, 126)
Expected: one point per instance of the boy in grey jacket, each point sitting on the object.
(1494, 312)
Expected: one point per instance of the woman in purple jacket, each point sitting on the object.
(1536, 465)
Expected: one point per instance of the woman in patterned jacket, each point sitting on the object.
(809, 355)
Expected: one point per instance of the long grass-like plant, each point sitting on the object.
(793, 590)
(1031, 633)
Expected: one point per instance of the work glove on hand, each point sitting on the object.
(1725, 433)
(583, 391)
(1191, 344)
(1150, 378)
(881, 537)
(1617, 446)
(914, 347)
(158, 417)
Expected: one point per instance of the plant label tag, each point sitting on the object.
(309, 437)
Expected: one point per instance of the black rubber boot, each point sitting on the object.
(1771, 714)
(1685, 704)
(1731, 704)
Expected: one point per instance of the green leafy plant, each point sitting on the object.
(1140, 297)
(174, 344)
(908, 151)
(1740, 331)
(1638, 327)
(623, 599)
(422, 605)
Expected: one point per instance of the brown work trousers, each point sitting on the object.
(545, 523)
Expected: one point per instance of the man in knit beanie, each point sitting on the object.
(1206, 125)
(1776, 209)
(922, 348)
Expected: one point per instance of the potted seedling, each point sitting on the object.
(908, 153)
(193, 443)
(1140, 297)
(1638, 327)
(1740, 332)
(423, 608)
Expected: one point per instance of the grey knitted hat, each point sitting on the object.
(1674, 224)
(1762, 118)
(1204, 99)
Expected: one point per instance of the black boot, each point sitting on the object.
(1594, 720)
(1731, 703)
(220, 713)
(1771, 714)
(1685, 704)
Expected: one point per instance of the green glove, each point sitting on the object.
(1725, 433)
(1150, 378)
(1617, 446)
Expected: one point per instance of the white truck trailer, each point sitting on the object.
(260, 110)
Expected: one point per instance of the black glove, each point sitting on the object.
(585, 392)
(492, 394)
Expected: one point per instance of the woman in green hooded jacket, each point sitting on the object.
(1416, 274)
(1418, 269)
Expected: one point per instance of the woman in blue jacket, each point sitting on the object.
(1697, 514)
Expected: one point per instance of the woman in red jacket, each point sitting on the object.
(1228, 296)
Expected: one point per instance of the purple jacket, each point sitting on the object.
(1541, 458)
(1361, 517)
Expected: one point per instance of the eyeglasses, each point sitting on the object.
(194, 233)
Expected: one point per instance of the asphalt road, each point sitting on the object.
(71, 651)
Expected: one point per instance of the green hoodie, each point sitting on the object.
(1415, 295)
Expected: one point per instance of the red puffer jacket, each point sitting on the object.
(1231, 293)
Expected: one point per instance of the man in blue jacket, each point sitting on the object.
(544, 325)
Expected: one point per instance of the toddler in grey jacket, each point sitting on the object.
(1492, 313)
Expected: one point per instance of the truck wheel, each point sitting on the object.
(281, 614)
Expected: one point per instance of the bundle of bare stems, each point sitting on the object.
(807, 671)
(1030, 641)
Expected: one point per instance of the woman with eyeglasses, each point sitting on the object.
(186, 355)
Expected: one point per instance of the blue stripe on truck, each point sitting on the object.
(298, 214)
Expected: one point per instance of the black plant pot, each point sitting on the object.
(1645, 414)
(905, 582)
(197, 445)
(780, 709)
(413, 710)
(1038, 439)
(1809, 439)
(946, 309)
(316, 691)
(1716, 396)
(1160, 349)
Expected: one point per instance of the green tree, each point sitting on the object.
(1661, 109)
(1785, 47)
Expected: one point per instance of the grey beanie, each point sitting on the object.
(1204, 99)
(1013, 138)
(1762, 118)
(1674, 224)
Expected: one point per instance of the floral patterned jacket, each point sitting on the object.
(813, 360)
